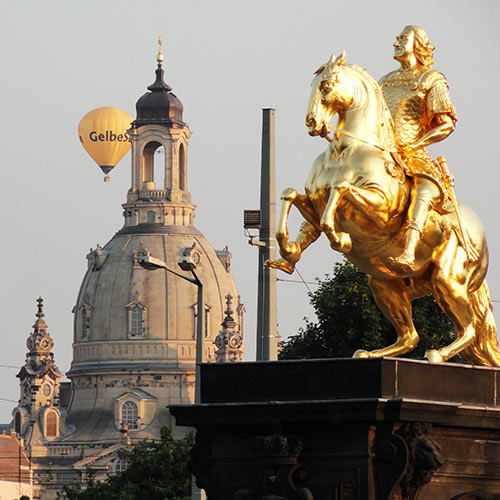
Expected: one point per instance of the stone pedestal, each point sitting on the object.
(342, 429)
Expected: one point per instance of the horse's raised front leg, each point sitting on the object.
(338, 241)
(291, 251)
(393, 299)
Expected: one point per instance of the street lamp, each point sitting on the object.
(186, 264)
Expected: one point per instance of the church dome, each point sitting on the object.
(134, 346)
(129, 317)
(159, 105)
(135, 329)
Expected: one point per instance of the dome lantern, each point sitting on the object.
(159, 105)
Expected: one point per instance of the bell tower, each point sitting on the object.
(159, 194)
(38, 417)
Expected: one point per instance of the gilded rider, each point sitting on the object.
(418, 99)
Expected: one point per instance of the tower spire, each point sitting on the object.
(39, 342)
(229, 342)
(39, 387)
(159, 84)
(40, 326)
(159, 57)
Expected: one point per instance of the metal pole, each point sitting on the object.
(151, 263)
(267, 334)
(200, 338)
(196, 492)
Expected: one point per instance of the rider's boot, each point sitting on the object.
(424, 200)
(406, 261)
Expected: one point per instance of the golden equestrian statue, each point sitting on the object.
(381, 200)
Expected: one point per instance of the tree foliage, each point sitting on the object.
(157, 470)
(348, 319)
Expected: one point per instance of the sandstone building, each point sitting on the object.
(134, 329)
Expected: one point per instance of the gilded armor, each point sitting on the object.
(414, 99)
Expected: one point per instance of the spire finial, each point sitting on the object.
(159, 85)
(229, 311)
(40, 326)
(40, 314)
(159, 57)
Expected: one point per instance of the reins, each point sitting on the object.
(394, 154)
(352, 136)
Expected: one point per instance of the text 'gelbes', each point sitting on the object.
(108, 136)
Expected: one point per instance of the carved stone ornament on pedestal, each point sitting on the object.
(278, 475)
(477, 495)
(406, 461)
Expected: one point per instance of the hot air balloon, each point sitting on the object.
(103, 134)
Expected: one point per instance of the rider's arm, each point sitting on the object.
(440, 113)
(444, 127)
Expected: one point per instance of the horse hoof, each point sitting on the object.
(360, 353)
(342, 243)
(281, 264)
(345, 243)
(433, 356)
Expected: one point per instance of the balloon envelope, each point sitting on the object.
(103, 134)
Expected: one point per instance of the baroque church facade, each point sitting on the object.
(134, 345)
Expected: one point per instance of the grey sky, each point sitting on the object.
(225, 60)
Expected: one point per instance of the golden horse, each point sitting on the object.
(358, 196)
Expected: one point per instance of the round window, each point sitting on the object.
(46, 390)
(196, 258)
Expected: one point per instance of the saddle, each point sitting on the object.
(438, 173)
(435, 171)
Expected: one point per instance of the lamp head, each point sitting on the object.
(150, 263)
(186, 262)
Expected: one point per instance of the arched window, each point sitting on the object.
(182, 168)
(159, 167)
(151, 217)
(206, 329)
(136, 312)
(17, 423)
(139, 253)
(51, 424)
(130, 414)
(137, 318)
(153, 165)
(207, 321)
(85, 322)
(85, 312)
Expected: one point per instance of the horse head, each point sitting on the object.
(327, 95)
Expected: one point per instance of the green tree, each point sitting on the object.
(157, 470)
(348, 319)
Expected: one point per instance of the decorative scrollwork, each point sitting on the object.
(278, 448)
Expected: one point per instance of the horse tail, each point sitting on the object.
(484, 350)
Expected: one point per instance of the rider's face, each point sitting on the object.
(403, 46)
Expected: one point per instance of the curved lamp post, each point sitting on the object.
(186, 264)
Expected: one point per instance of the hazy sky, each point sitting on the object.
(226, 60)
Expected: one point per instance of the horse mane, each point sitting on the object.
(386, 134)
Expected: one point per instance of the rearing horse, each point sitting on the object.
(358, 196)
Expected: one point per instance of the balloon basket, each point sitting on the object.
(106, 178)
